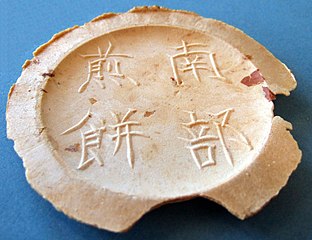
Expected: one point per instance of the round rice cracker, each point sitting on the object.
(131, 111)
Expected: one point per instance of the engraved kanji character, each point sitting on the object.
(123, 130)
(203, 140)
(105, 65)
(90, 141)
(194, 61)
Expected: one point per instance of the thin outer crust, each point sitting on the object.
(114, 211)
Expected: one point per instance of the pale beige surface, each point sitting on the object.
(111, 193)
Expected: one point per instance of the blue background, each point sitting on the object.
(284, 27)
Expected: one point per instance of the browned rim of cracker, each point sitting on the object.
(243, 195)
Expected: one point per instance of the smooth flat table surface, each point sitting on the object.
(284, 27)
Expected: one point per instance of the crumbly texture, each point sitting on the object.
(46, 123)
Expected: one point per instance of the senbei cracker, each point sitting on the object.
(134, 110)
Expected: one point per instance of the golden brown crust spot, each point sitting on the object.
(104, 16)
(149, 113)
(53, 39)
(92, 100)
(11, 91)
(156, 8)
(9, 95)
(26, 63)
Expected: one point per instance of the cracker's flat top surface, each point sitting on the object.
(191, 126)
(140, 110)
